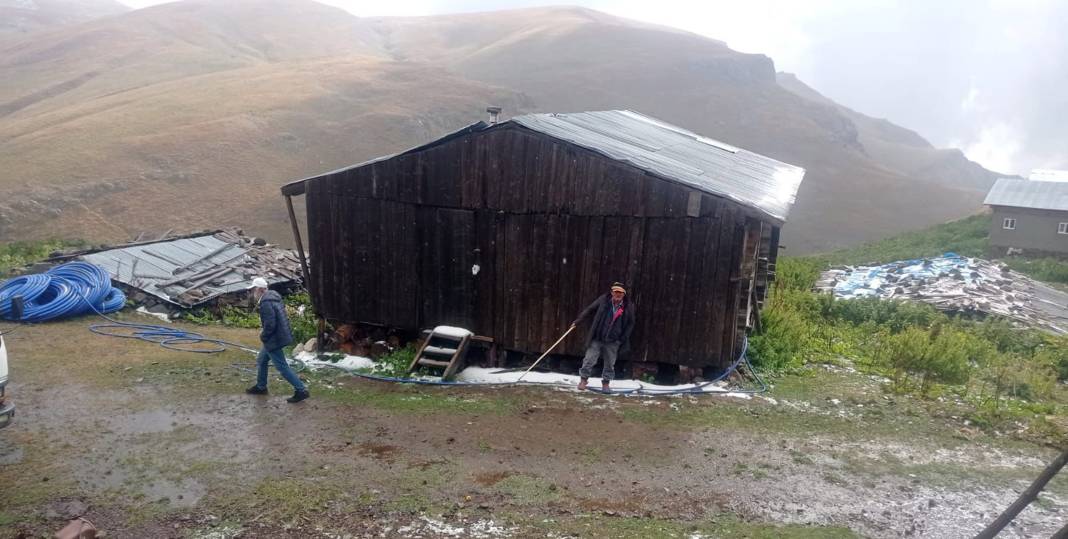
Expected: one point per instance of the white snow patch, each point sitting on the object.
(429, 527)
(161, 316)
(348, 363)
(483, 375)
(449, 331)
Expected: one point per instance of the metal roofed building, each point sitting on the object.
(1028, 217)
(509, 229)
(191, 271)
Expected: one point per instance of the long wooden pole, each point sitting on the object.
(296, 238)
(562, 337)
(1025, 499)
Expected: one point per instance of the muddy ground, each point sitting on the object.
(147, 442)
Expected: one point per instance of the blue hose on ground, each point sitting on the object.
(79, 288)
(64, 291)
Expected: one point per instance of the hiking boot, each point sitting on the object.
(604, 386)
(299, 396)
(583, 383)
(256, 390)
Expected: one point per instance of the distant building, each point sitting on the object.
(1048, 175)
(1028, 217)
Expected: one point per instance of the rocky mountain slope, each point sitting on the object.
(25, 16)
(191, 114)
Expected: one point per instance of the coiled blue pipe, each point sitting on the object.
(64, 291)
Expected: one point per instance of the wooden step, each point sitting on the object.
(433, 363)
(439, 350)
(455, 355)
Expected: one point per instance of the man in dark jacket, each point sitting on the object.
(275, 335)
(613, 320)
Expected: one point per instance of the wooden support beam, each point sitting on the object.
(296, 238)
(1025, 499)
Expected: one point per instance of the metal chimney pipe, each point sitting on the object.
(495, 113)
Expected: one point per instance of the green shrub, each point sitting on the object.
(940, 355)
(788, 329)
(798, 273)
(892, 314)
(1051, 270)
(21, 253)
(395, 363)
(302, 319)
(238, 317)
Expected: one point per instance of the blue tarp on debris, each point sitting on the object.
(955, 283)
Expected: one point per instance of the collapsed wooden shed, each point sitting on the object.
(510, 229)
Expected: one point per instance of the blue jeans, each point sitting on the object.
(278, 357)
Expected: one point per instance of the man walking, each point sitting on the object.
(275, 335)
(613, 320)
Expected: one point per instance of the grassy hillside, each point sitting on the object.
(19, 17)
(192, 114)
(967, 237)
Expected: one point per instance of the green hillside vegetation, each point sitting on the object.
(1005, 374)
(966, 237)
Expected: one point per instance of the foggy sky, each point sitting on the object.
(988, 77)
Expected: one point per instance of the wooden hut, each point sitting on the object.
(509, 229)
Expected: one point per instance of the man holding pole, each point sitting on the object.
(613, 320)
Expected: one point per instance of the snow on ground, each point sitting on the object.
(449, 331)
(481, 375)
(348, 363)
(495, 376)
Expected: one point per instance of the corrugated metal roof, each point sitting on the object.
(1028, 194)
(153, 268)
(676, 154)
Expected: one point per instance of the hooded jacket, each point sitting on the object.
(604, 329)
(275, 333)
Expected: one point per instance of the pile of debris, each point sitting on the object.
(171, 274)
(953, 283)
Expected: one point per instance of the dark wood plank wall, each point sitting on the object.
(510, 234)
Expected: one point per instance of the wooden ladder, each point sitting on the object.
(440, 351)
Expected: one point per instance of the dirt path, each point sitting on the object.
(154, 443)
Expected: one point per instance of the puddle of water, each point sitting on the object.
(10, 452)
(147, 422)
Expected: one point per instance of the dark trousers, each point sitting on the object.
(604, 351)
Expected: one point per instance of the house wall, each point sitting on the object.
(510, 233)
(1036, 230)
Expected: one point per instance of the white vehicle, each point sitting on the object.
(7, 408)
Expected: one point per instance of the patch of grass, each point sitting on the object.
(528, 490)
(395, 363)
(731, 527)
(21, 253)
(966, 237)
(726, 526)
(227, 315)
(285, 500)
(418, 483)
(1050, 270)
(408, 399)
(800, 458)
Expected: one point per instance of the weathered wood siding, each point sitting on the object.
(510, 233)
